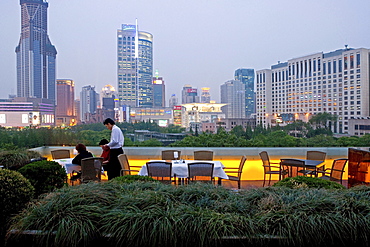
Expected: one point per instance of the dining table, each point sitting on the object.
(313, 165)
(66, 163)
(180, 168)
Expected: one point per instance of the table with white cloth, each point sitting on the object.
(66, 163)
(180, 168)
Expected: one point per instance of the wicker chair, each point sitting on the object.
(236, 171)
(125, 165)
(203, 155)
(315, 155)
(91, 169)
(270, 168)
(160, 169)
(335, 173)
(60, 154)
(169, 155)
(200, 169)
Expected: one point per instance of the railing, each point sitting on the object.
(230, 157)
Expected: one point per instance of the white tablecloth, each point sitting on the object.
(67, 165)
(180, 168)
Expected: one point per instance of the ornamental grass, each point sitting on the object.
(154, 214)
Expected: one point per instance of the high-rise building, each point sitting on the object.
(88, 103)
(108, 102)
(233, 95)
(65, 105)
(173, 101)
(159, 99)
(189, 95)
(35, 54)
(335, 82)
(246, 76)
(135, 66)
(205, 96)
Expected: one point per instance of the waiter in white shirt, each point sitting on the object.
(116, 142)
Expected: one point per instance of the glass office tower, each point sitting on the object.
(246, 76)
(135, 66)
(35, 54)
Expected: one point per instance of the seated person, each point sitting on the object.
(82, 154)
(106, 150)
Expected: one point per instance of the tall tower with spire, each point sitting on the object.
(36, 55)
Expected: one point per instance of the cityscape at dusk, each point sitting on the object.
(200, 43)
(241, 62)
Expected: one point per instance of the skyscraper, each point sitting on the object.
(246, 76)
(232, 94)
(135, 66)
(35, 54)
(189, 95)
(159, 90)
(88, 102)
(206, 96)
(65, 108)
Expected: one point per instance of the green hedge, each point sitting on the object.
(154, 214)
(15, 192)
(45, 176)
(307, 182)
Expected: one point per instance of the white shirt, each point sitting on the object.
(116, 138)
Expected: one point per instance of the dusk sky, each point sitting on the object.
(196, 42)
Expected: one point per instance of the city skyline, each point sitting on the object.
(200, 43)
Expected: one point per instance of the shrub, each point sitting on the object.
(132, 178)
(15, 192)
(14, 159)
(44, 175)
(307, 182)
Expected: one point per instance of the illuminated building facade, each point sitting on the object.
(135, 66)
(23, 112)
(35, 54)
(198, 113)
(65, 108)
(336, 82)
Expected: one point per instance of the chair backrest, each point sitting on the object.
(159, 168)
(292, 166)
(337, 169)
(315, 155)
(125, 165)
(200, 169)
(91, 169)
(60, 154)
(265, 161)
(203, 155)
(241, 165)
(169, 155)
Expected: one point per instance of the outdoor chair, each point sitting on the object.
(60, 154)
(125, 165)
(160, 169)
(314, 155)
(203, 155)
(335, 173)
(293, 167)
(91, 169)
(169, 154)
(270, 168)
(236, 171)
(200, 169)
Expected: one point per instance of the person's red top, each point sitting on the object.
(105, 154)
